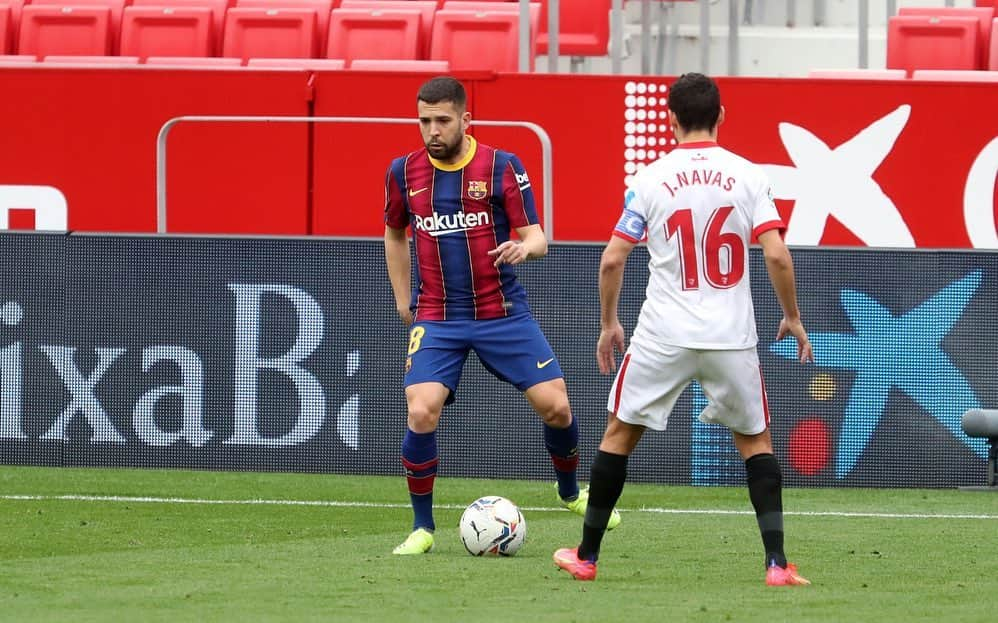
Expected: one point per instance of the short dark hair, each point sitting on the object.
(696, 102)
(443, 89)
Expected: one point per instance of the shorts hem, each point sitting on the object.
(652, 426)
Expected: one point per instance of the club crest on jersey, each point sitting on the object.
(478, 189)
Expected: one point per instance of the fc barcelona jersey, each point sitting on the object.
(458, 213)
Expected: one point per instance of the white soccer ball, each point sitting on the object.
(492, 526)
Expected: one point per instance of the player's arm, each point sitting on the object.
(518, 203)
(399, 270)
(397, 245)
(531, 245)
(611, 280)
(780, 266)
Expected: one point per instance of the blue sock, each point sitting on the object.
(563, 446)
(419, 457)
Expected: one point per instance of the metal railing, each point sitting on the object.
(752, 13)
(164, 134)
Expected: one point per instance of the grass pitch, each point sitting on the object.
(157, 545)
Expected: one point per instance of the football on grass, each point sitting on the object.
(492, 526)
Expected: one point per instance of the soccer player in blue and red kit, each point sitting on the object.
(461, 199)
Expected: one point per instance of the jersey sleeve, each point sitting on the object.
(396, 214)
(518, 196)
(764, 214)
(631, 225)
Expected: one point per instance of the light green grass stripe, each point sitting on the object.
(342, 504)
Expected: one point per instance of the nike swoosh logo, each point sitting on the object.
(541, 364)
(413, 193)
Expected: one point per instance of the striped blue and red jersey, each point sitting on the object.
(458, 213)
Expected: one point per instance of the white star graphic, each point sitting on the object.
(839, 182)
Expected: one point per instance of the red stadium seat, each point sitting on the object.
(116, 7)
(374, 33)
(955, 75)
(371, 64)
(217, 7)
(510, 6)
(194, 62)
(52, 30)
(993, 58)
(92, 60)
(298, 63)
(270, 33)
(174, 31)
(15, 6)
(583, 28)
(919, 42)
(321, 8)
(427, 10)
(477, 41)
(984, 16)
(859, 74)
(17, 59)
(6, 30)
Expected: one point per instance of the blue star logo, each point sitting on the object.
(902, 352)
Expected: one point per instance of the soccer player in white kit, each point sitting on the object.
(699, 207)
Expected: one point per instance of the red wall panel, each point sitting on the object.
(923, 174)
(351, 159)
(91, 133)
(584, 116)
(852, 162)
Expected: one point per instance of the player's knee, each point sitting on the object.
(422, 418)
(558, 414)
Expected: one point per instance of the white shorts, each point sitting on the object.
(652, 376)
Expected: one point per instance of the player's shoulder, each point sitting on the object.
(750, 167)
(500, 156)
(414, 158)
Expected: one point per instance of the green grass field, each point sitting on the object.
(153, 545)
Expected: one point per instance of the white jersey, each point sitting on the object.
(699, 207)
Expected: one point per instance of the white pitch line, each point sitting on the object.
(340, 504)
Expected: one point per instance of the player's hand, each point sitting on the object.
(405, 314)
(610, 339)
(795, 328)
(509, 252)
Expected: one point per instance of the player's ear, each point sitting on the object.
(673, 122)
(720, 117)
(465, 120)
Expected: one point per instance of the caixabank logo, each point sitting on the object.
(167, 413)
(904, 344)
(191, 352)
(902, 349)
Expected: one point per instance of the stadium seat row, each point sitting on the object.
(222, 62)
(922, 38)
(948, 75)
(468, 34)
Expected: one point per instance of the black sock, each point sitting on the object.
(765, 491)
(605, 485)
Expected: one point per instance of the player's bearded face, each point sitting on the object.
(442, 126)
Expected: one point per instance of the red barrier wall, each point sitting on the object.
(852, 162)
(351, 160)
(91, 133)
(843, 125)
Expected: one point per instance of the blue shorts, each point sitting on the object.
(513, 349)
